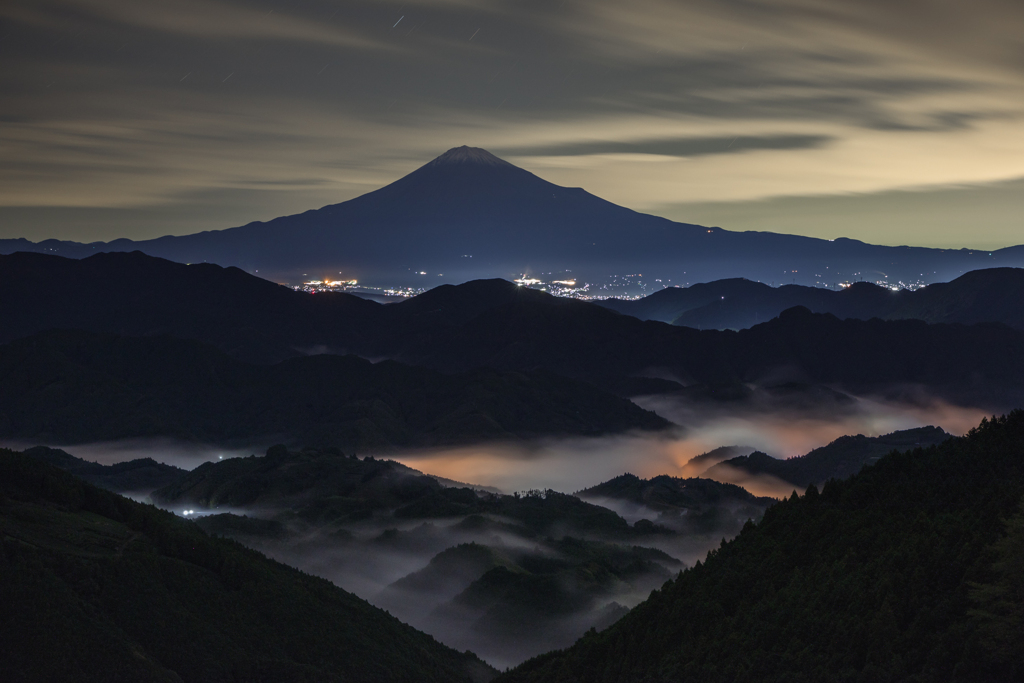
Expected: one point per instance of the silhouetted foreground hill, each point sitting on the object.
(492, 323)
(991, 295)
(838, 460)
(907, 571)
(96, 587)
(75, 387)
(468, 214)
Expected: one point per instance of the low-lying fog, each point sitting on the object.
(417, 570)
(574, 464)
(569, 465)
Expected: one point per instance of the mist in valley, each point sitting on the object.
(505, 596)
(780, 431)
(507, 586)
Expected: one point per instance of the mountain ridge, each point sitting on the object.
(989, 295)
(498, 325)
(839, 459)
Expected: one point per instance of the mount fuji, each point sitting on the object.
(468, 214)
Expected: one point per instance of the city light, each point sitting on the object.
(527, 281)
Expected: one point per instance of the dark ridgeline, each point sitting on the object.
(840, 459)
(75, 387)
(981, 296)
(96, 587)
(134, 294)
(468, 203)
(140, 476)
(498, 325)
(908, 571)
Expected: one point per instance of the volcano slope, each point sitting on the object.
(908, 571)
(468, 214)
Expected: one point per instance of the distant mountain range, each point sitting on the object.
(990, 295)
(498, 325)
(468, 214)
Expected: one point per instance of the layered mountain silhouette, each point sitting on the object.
(990, 295)
(468, 214)
(496, 324)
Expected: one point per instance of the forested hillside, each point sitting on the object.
(909, 571)
(96, 587)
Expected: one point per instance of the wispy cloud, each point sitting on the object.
(206, 19)
(115, 104)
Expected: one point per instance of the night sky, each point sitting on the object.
(892, 122)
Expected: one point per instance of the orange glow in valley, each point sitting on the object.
(572, 464)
